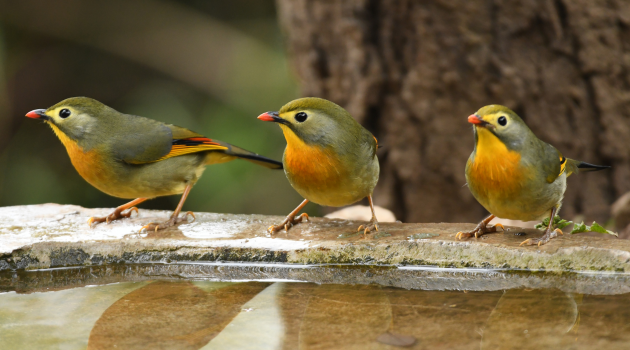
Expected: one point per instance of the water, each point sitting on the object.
(234, 306)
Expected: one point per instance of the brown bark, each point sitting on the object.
(412, 71)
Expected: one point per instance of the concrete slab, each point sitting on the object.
(52, 235)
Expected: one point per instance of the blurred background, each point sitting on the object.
(410, 71)
(210, 66)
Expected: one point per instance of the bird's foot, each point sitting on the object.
(117, 214)
(174, 220)
(549, 234)
(480, 230)
(372, 226)
(288, 223)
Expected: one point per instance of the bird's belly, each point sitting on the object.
(521, 208)
(325, 180)
(167, 177)
(334, 194)
(515, 194)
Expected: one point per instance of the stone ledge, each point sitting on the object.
(51, 235)
(419, 278)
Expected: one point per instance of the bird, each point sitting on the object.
(133, 157)
(515, 175)
(330, 159)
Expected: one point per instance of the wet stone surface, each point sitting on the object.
(51, 235)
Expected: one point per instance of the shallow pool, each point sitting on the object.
(233, 306)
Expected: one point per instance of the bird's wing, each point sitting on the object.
(553, 162)
(137, 140)
(185, 141)
(154, 141)
(369, 141)
(375, 146)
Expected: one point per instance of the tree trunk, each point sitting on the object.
(412, 72)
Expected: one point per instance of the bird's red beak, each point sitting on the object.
(474, 119)
(273, 117)
(268, 116)
(37, 114)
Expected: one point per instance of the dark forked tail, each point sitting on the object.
(576, 166)
(583, 166)
(253, 157)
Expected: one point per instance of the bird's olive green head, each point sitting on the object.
(315, 121)
(75, 117)
(503, 123)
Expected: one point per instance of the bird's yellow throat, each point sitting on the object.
(88, 164)
(70, 144)
(494, 166)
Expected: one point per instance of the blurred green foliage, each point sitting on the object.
(39, 67)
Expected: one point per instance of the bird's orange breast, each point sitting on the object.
(90, 165)
(495, 170)
(311, 167)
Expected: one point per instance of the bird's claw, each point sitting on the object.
(372, 226)
(544, 239)
(117, 214)
(152, 226)
(189, 213)
(288, 223)
(171, 222)
(480, 230)
(534, 241)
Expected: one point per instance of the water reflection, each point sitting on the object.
(530, 319)
(171, 315)
(341, 315)
(257, 326)
(56, 320)
(254, 315)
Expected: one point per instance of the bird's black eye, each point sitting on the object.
(300, 117)
(502, 121)
(64, 113)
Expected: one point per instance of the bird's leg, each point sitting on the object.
(118, 212)
(175, 219)
(481, 229)
(290, 219)
(549, 232)
(373, 225)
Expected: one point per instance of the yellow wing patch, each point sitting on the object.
(563, 164)
(375, 148)
(192, 145)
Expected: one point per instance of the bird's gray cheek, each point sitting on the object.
(517, 145)
(85, 129)
(80, 131)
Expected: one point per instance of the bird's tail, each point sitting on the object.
(576, 166)
(252, 157)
